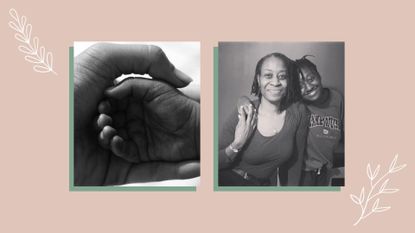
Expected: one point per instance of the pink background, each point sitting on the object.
(379, 50)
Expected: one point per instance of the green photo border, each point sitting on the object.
(216, 148)
(72, 187)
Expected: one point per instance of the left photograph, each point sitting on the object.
(136, 114)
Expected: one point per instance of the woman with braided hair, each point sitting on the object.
(263, 141)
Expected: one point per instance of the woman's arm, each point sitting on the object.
(339, 150)
(237, 130)
(295, 166)
(226, 137)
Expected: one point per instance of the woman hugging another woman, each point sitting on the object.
(263, 142)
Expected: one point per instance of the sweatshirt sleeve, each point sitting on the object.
(226, 136)
(342, 118)
(339, 150)
(296, 166)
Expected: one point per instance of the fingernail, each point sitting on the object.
(183, 77)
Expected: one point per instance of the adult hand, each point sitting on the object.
(246, 125)
(94, 71)
(146, 120)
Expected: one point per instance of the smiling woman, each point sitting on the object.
(263, 141)
(326, 133)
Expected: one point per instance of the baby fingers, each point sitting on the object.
(105, 107)
(124, 149)
(105, 136)
(102, 121)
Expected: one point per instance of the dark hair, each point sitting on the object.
(293, 92)
(305, 63)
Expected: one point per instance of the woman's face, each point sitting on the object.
(310, 82)
(273, 79)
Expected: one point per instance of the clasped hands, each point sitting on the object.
(139, 130)
(247, 122)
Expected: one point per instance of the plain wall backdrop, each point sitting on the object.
(237, 61)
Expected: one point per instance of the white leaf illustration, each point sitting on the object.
(369, 172)
(35, 43)
(377, 187)
(376, 172)
(383, 186)
(14, 26)
(20, 38)
(355, 199)
(393, 163)
(28, 32)
(390, 190)
(23, 22)
(398, 168)
(32, 59)
(35, 54)
(14, 15)
(362, 195)
(381, 209)
(49, 59)
(41, 69)
(375, 205)
(25, 49)
(42, 53)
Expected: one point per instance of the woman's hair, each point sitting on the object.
(293, 92)
(305, 63)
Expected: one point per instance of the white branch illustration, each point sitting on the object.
(42, 60)
(364, 200)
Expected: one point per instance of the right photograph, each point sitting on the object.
(279, 114)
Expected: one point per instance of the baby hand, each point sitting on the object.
(145, 120)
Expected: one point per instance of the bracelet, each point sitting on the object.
(233, 149)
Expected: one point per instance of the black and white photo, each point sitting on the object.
(281, 114)
(136, 114)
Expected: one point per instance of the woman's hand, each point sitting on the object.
(246, 125)
(94, 71)
(148, 121)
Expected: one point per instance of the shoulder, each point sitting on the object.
(298, 107)
(298, 110)
(245, 100)
(335, 95)
(337, 100)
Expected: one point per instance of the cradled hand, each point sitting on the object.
(94, 71)
(147, 120)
